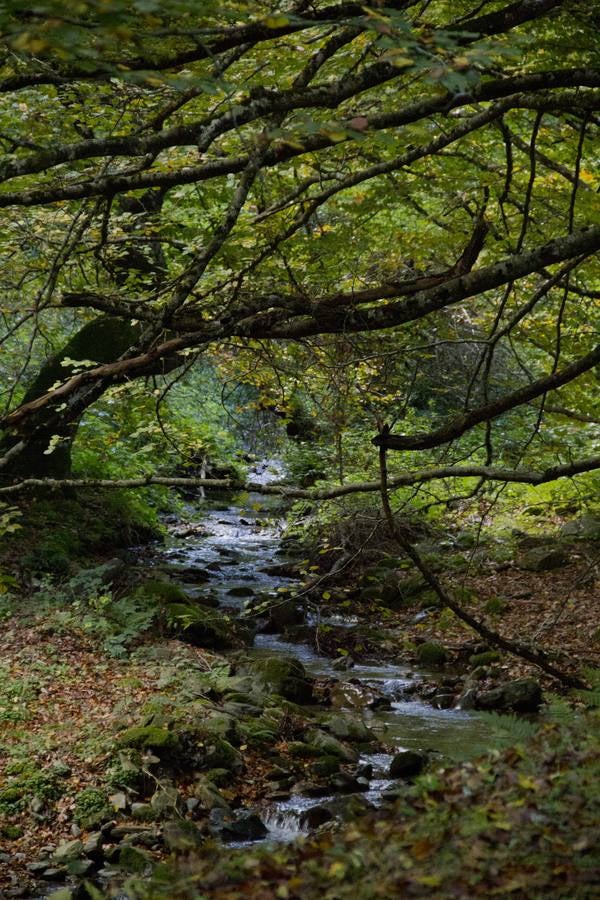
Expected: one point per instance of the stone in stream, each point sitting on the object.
(408, 764)
(242, 826)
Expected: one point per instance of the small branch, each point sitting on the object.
(537, 657)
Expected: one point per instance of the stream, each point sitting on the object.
(236, 543)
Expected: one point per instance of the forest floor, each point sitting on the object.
(62, 696)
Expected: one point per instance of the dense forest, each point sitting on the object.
(299, 449)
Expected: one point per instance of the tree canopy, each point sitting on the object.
(399, 199)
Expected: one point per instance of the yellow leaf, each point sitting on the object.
(337, 869)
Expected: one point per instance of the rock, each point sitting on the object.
(220, 754)
(80, 867)
(542, 559)
(166, 801)
(585, 528)
(431, 653)
(182, 835)
(282, 615)
(246, 826)
(327, 765)
(142, 736)
(53, 873)
(443, 701)
(195, 594)
(119, 801)
(314, 817)
(348, 728)
(67, 851)
(133, 860)
(468, 699)
(132, 832)
(346, 694)
(522, 695)
(142, 812)
(210, 797)
(348, 784)
(343, 664)
(219, 724)
(204, 627)
(486, 658)
(93, 844)
(61, 769)
(241, 590)
(329, 745)
(311, 789)
(407, 764)
(285, 676)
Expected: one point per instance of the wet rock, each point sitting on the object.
(311, 789)
(343, 664)
(283, 615)
(522, 695)
(348, 694)
(443, 701)
(182, 835)
(315, 817)
(348, 728)
(407, 764)
(285, 676)
(196, 594)
(348, 784)
(542, 559)
(191, 574)
(328, 765)
(241, 590)
(468, 699)
(244, 826)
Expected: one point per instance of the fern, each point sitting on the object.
(508, 729)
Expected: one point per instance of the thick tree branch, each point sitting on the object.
(461, 424)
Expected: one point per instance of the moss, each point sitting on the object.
(484, 659)
(432, 653)
(162, 591)
(11, 799)
(91, 808)
(142, 736)
(11, 832)
(495, 606)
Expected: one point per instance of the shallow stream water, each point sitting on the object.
(236, 543)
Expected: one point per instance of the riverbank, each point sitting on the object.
(142, 722)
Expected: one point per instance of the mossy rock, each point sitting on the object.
(162, 591)
(148, 736)
(431, 653)
(220, 754)
(484, 659)
(285, 676)
(205, 627)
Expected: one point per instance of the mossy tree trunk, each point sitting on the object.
(42, 446)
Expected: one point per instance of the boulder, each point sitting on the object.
(522, 695)
(543, 559)
(408, 764)
(328, 745)
(585, 528)
(431, 653)
(285, 676)
(64, 853)
(243, 826)
(349, 728)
